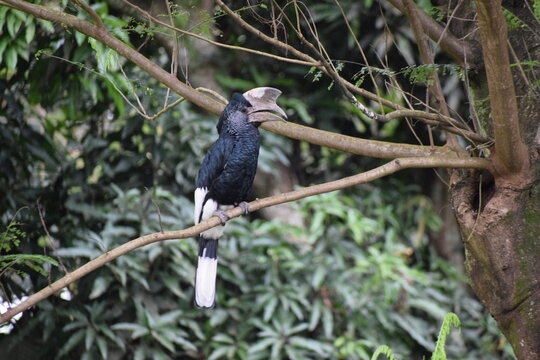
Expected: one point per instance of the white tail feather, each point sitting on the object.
(205, 282)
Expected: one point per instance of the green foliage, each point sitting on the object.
(450, 319)
(514, 22)
(357, 274)
(423, 73)
(536, 9)
(439, 354)
(383, 350)
(17, 31)
(11, 236)
(360, 76)
(10, 240)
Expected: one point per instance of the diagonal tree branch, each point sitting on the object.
(365, 147)
(90, 12)
(376, 173)
(459, 50)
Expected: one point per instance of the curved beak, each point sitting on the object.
(263, 105)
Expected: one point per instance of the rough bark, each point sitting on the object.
(502, 248)
(499, 218)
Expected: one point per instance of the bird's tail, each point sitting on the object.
(205, 277)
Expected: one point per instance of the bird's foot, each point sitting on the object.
(222, 216)
(245, 207)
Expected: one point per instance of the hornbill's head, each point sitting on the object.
(263, 105)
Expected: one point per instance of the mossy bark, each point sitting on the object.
(502, 242)
(499, 216)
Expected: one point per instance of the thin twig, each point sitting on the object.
(134, 93)
(91, 12)
(320, 53)
(325, 66)
(175, 63)
(353, 35)
(413, 14)
(157, 209)
(49, 239)
(226, 46)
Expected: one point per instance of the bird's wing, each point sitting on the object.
(212, 166)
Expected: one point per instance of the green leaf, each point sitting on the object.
(318, 277)
(261, 345)
(30, 32)
(328, 321)
(101, 284)
(13, 25)
(219, 353)
(100, 56)
(112, 60)
(47, 25)
(270, 308)
(11, 58)
(180, 340)
(20, 15)
(89, 338)
(3, 15)
(22, 49)
(4, 40)
(165, 341)
(316, 346)
(102, 346)
(41, 259)
(130, 327)
(72, 341)
(316, 312)
(169, 318)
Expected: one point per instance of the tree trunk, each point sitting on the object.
(502, 249)
(499, 217)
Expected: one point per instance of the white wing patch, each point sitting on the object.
(200, 194)
(205, 282)
(209, 208)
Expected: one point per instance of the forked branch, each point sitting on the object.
(442, 119)
(510, 151)
(458, 49)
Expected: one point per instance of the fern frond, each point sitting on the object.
(384, 350)
(450, 319)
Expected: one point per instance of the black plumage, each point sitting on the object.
(229, 167)
(226, 176)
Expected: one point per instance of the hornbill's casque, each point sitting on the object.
(226, 176)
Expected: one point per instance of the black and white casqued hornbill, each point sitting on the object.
(226, 176)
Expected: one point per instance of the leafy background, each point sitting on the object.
(83, 172)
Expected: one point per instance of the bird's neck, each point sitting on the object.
(243, 132)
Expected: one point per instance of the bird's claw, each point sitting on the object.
(222, 216)
(245, 207)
